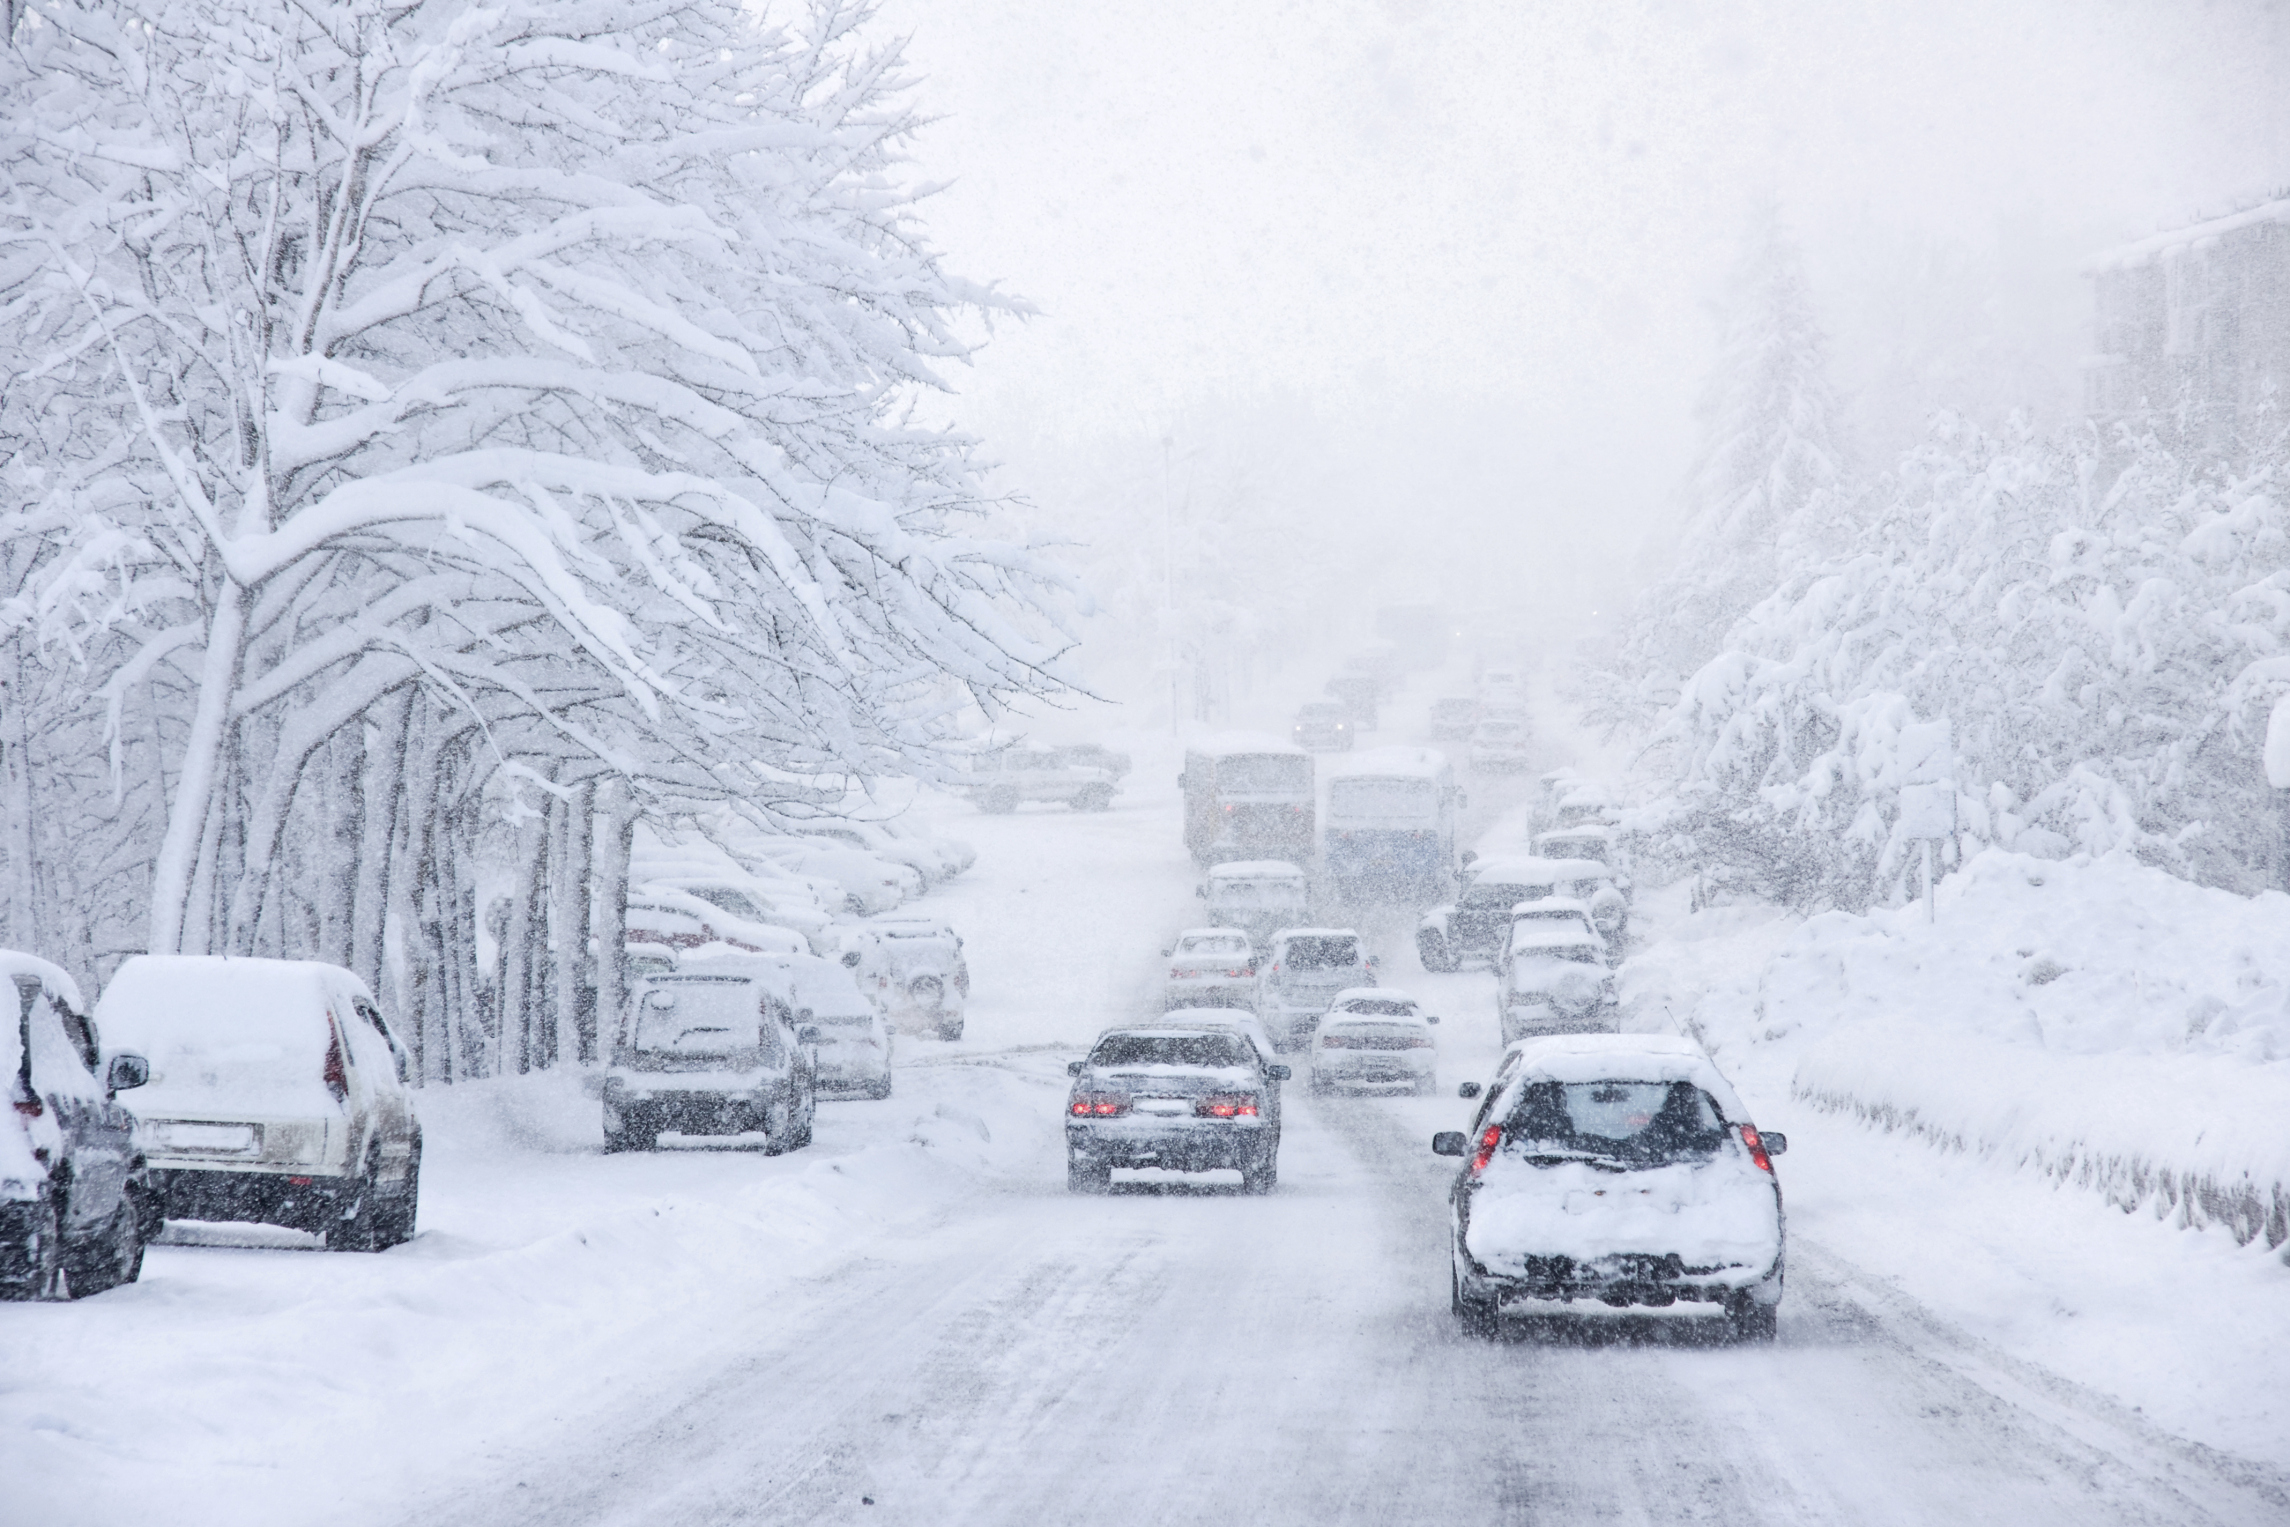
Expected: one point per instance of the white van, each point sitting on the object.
(277, 1095)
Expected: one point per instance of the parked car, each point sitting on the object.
(1258, 896)
(1556, 982)
(870, 884)
(1584, 840)
(1567, 913)
(1094, 755)
(278, 1094)
(914, 972)
(1004, 778)
(689, 914)
(1301, 972)
(1454, 716)
(712, 1048)
(765, 894)
(1475, 925)
(1210, 967)
(76, 1201)
(1375, 1037)
(854, 1039)
(1183, 1098)
(1502, 743)
(931, 860)
(1614, 1170)
(1322, 726)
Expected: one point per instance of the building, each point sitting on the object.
(2193, 328)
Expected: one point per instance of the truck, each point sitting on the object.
(1388, 830)
(1247, 796)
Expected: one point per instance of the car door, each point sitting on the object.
(394, 1096)
(98, 1134)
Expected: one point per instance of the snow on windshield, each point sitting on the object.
(1321, 951)
(1216, 1051)
(699, 1017)
(1364, 798)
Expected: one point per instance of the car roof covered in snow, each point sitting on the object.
(1581, 832)
(1551, 906)
(1375, 993)
(1536, 934)
(1226, 744)
(1391, 763)
(1534, 869)
(1289, 933)
(1234, 933)
(14, 962)
(1624, 1058)
(1255, 869)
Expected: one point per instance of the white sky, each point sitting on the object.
(1484, 236)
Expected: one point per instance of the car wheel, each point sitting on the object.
(881, 1089)
(778, 1127)
(1262, 1177)
(810, 1121)
(113, 1258)
(359, 1230)
(999, 802)
(1085, 1174)
(1431, 949)
(1754, 1322)
(1477, 1317)
(634, 1134)
(44, 1260)
(399, 1210)
(1095, 798)
(950, 1031)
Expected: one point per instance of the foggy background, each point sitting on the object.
(1349, 302)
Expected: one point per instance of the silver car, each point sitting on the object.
(1188, 1099)
(1210, 967)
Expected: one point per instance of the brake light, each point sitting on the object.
(1491, 1137)
(1176, 973)
(1227, 1105)
(337, 1081)
(1334, 1042)
(1756, 1148)
(1098, 1105)
(1420, 1042)
(31, 1107)
(1237, 974)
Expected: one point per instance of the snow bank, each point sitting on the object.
(2095, 1020)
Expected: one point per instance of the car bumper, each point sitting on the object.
(299, 1201)
(1642, 1281)
(1181, 1145)
(1374, 1067)
(1178, 994)
(1536, 1020)
(689, 1113)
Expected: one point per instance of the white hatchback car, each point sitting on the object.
(1210, 967)
(1374, 1036)
(1616, 1170)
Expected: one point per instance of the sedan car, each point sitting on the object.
(1618, 1171)
(1374, 1036)
(1176, 1096)
(1210, 967)
(1322, 726)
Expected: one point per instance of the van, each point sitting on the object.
(277, 1095)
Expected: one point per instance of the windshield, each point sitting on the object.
(1644, 1123)
(1581, 954)
(700, 1016)
(736, 903)
(1263, 774)
(1218, 1050)
(1498, 731)
(1384, 1006)
(1322, 952)
(1213, 946)
(1414, 798)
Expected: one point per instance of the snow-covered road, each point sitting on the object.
(913, 1322)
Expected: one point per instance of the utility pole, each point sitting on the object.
(1169, 582)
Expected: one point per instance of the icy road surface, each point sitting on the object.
(914, 1313)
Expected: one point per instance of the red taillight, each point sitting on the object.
(1176, 974)
(1098, 1105)
(31, 1108)
(298, 1182)
(337, 1080)
(1756, 1148)
(1223, 1105)
(1488, 1140)
(1420, 1042)
(1237, 974)
(1334, 1042)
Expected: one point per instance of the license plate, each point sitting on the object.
(1165, 1106)
(208, 1137)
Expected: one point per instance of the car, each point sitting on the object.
(689, 913)
(913, 970)
(1375, 1037)
(764, 894)
(1566, 912)
(1301, 972)
(1005, 777)
(1183, 1098)
(1258, 896)
(1556, 982)
(854, 1039)
(1094, 755)
(1502, 684)
(278, 1095)
(869, 883)
(1583, 840)
(930, 864)
(1322, 726)
(1615, 1171)
(1454, 716)
(76, 1201)
(712, 1048)
(1502, 743)
(1210, 967)
(1476, 924)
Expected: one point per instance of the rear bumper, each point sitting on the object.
(1372, 1067)
(298, 1201)
(689, 1113)
(1538, 1019)
(1178, 994)
(1623, 1282)
(1182, 1145)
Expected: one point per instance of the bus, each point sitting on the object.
(1247, 797)
(1388, 831)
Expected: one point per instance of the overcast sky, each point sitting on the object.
(1487, 235)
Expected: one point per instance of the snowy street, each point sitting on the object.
(915, 1312)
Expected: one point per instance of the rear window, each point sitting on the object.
(1574, 954)
(1328, 952)
(1218, 1050)
(715, 1019)
(1217, 946)
(1641, 1123)
(1238, 891)
(1264, 773)
(1379, 1007)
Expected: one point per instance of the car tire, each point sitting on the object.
(631, 1136)
(1095, 798)
(113, 1258)
(1262, 1177)
(950, 1031)
(999, 802)
(1477, 1317)
(1754, 1323)
(779, 1127)
(1084, 1174)
(44, 1276)
(395, 1216)
(810, 1122)
(880, 1089)
(359, 1230)
(1431, 948)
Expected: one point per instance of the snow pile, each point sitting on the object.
(2100, 1021)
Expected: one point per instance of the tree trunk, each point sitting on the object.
(612, 910)
(193, 812)
(383, 786)
(522, 944)
(576, 987)
(23, 853)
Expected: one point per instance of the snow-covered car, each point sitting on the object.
(76, 1203)
(1258, 896)
(1583, 805)
(929, 861)
(854, 1039)
(1567, 912)
(1557, 983)
(711, 1048)
(870, 884)
(277, 1094)
(1475, 925)
(1582, 840)
(1094, 755)
(1210, 967)
(690, 914)
(1619, 1169)
(1187, 1099)
(1375, 1037)
(1005, 778)
(1500, 743)
(1301, 972)
(1502, 685)
(1453, 717)
(1322, 726)
(913, 970)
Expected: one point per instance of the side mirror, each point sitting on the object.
(808, 1033)
(1468, 1090)
(1449, 1142)
(126, 1071)
(1278, 1073)
(1775, 1144)
(851, 958)
(1076, 1067)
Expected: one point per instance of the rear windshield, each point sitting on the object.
(1579, 954)
(716, 1019)
(1497, 730)
(1643, 1123)
(1501, 894)
(1264, 773)
(1329, 952)
(1379, 1006)
(1218, 1050)
(1383, 797)
(1207, 946)
(1234, 891)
